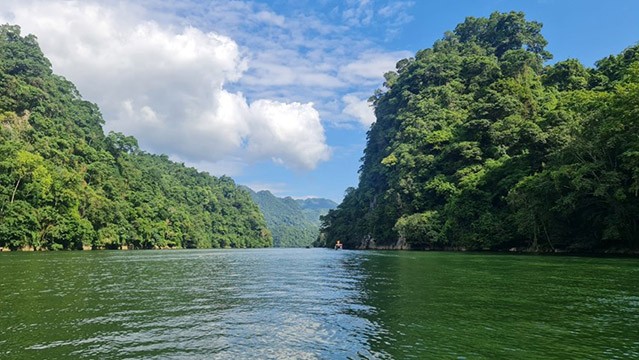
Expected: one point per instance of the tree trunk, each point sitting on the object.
(13, 195)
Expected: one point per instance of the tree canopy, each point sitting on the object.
(478, 145)
(64, 184)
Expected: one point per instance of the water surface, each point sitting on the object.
(314, 303)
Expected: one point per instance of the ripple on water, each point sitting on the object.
(310, 304)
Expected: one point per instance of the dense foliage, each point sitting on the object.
(65, 185)
(293, 223)
(478, 145)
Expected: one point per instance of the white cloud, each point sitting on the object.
(397, 10)
(372, 66)
(291, 133)
(275, 188)
(306, 197)
(168, 85)
(359, 109)
(389, 14)
(274, 73)
(359, 14)
(314, 55)
(229, 166)
(271, 18)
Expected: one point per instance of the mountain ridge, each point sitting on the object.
(293, 222)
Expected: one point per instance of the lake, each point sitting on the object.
(316, 304)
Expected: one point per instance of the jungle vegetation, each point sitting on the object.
(65, 184)
(480, 144)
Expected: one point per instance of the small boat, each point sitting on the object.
(338, 245)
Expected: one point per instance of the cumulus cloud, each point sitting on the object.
(283, 130)
(168, 85)
(359, 109)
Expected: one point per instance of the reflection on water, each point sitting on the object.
(307, 304)
(235, 304)
(478, 306)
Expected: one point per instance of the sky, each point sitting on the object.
(272, 93)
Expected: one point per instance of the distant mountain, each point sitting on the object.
(313, 208)
(293, 223)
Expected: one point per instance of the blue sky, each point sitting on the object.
(272, 93)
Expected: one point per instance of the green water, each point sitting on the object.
(308, 304)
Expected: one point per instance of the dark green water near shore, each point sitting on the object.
(308, 303)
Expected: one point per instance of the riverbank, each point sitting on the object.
(29, 248)
(401, 244)
(102, 248)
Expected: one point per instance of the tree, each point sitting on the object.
(65, 185)
(421, 229)
(477, 145)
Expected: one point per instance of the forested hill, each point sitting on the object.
(478, 145)
(314, 208)
(65, 185)
(294, 223)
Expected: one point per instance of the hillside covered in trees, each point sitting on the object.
(293, 222)
(479, 145)
(315, 208)
(64, 184)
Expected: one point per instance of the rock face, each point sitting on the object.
(371, 244)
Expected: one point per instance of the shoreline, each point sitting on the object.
(581, 253)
